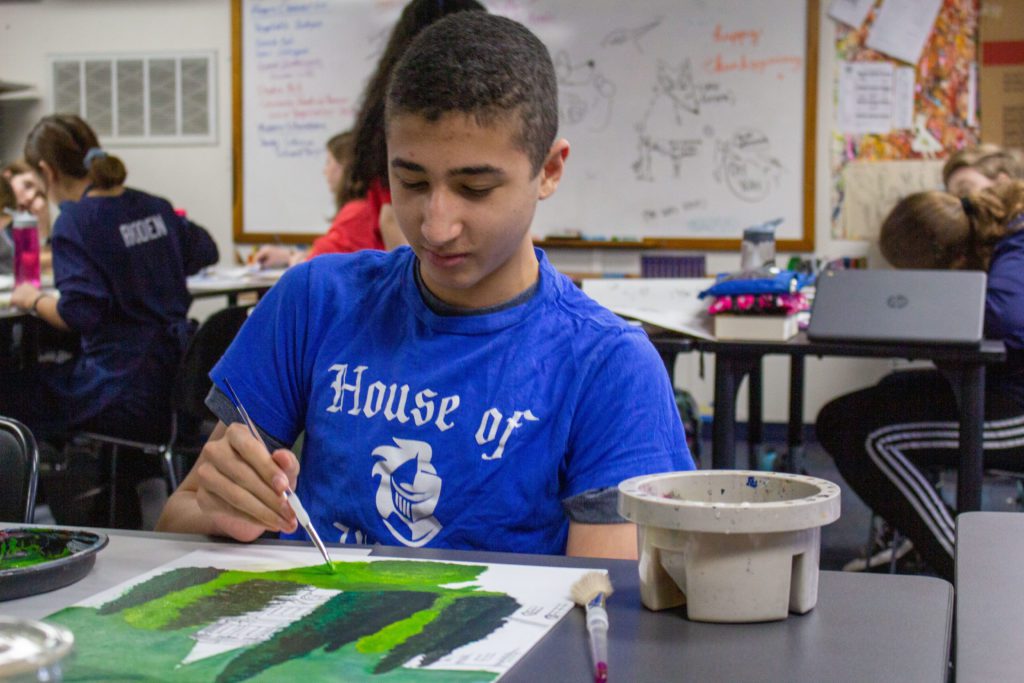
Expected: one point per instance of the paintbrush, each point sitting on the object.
(590, 591)
(293, 500)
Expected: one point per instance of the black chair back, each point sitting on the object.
(208, 344)
(19, 463)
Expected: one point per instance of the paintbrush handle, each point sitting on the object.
(597, 627)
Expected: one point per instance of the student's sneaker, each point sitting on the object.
(881, 559)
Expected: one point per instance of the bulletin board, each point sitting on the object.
(871, 172)
(688, 120)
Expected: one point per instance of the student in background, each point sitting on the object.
(370, 223)
(460, 393)
(29, 192)
(974, 169)
(8, 201)
(30, 196)
(120, 260)
(884, 438)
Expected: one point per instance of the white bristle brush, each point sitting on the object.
(590, 591)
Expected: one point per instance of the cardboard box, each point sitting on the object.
(1001, 72)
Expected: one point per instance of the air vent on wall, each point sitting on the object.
(154, 99)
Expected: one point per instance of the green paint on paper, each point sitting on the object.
(341, 620)
(232, 601)
(386, 614)
(465, 621)
(390, 636)
(160, 586)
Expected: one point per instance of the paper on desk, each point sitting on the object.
(902, 27)
(272, 611)
(215, 278)
(670, 303)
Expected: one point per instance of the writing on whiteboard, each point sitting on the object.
(291, 110)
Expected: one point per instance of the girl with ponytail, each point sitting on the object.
(884, 439)
(120, 259)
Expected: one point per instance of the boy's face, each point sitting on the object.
(464, 197)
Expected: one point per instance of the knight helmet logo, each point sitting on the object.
(408, 491)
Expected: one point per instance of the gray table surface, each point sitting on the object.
(866, 627)
(990, 596)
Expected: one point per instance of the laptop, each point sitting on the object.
(893, 306)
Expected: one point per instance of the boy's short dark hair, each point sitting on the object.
(484, 65)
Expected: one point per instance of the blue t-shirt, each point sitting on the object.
(120, 265)
(449, 431)
(1004, 314)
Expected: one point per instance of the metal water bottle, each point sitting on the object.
(25, 231)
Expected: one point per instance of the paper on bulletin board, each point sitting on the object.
(942, 110)
(669, 303)
(852, 12)
(902, 28)
(872, 188)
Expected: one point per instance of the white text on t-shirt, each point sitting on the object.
(142, 231)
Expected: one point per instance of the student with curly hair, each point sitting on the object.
(885, 438)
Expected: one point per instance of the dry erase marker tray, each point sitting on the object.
(36, 560)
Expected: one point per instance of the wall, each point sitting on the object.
(199, 178)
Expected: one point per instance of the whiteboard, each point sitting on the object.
(688, 120)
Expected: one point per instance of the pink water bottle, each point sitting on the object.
(26, 248)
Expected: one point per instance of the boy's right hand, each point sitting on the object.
(241, 487)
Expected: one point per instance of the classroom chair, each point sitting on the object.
(190, 421)
(19, 462)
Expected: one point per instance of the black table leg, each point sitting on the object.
(972, 423)
(723, 429)
(795, 435)
(755, 413)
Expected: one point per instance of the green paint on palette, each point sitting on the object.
(17, 551)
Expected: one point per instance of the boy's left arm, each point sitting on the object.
(626, 424)
(613, 541)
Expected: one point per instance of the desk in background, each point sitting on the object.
(866, 627)
(735, 359)
(989, 596)
(232, 282)
(23, 337)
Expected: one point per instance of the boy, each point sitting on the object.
(460, 393)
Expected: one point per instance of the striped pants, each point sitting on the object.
(881, 439)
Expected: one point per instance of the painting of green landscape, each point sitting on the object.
(380, 620)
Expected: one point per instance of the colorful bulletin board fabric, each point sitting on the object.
(942, 101)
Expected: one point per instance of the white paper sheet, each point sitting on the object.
(670, 303)
(902, 27)
(903, 97)
(852, 12)
(865, 97)
(219, 278)
(542, 592)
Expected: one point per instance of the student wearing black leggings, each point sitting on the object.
(885, 438)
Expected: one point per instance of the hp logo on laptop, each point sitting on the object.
(896, 301)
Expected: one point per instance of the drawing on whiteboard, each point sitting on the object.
(660, 131)
(584, 94)
(745, 164)
(621, 36)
